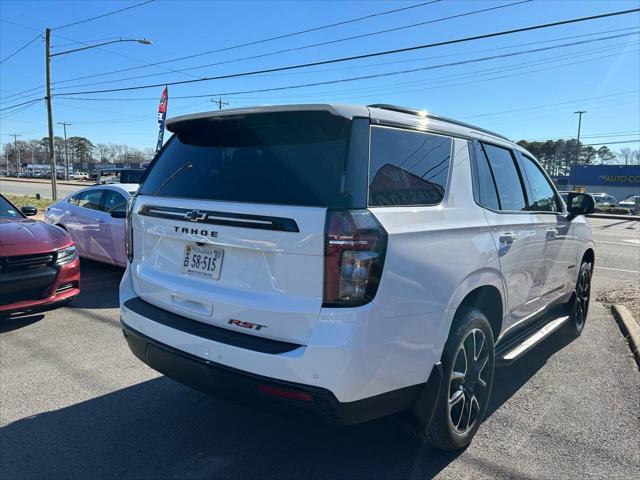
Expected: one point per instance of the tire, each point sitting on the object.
(473, 380)
(581, 298)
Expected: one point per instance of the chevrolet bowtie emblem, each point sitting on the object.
(195, 215)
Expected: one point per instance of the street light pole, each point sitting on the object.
(48, 55)
(571, 173)
(52, 152)
(66, 154)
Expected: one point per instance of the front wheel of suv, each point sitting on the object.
(468, 366)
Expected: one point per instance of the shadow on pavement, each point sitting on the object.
(510, 378)
(99, 284)
(9, 323)
(161, 429)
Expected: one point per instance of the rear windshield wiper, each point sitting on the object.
(171, 177)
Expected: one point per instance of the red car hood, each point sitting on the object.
(24, 237)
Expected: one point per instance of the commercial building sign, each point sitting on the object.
(609, 175)
(620, 179)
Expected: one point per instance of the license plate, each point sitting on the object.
(203, 261)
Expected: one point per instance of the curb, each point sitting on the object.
(630, 329)
(614, 217)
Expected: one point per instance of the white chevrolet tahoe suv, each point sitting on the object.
(353, 261)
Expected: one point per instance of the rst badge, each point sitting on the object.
(249, 325)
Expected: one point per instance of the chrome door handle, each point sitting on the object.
(552, 232)
(508, 238)
(101, 220)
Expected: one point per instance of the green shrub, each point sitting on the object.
(613, 210)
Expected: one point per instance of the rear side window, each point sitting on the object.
(294, 158)
(115, 202)
(74, 199)
(407, 167)
(506, 177)
(487, 194)
(91, 199)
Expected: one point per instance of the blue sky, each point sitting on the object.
(529, 95)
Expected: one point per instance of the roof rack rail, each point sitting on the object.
(396, 108)
(422, 113)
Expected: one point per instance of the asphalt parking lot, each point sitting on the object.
(75, 403)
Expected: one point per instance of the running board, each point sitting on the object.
(515, 349)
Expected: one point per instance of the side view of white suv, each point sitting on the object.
(353, 261)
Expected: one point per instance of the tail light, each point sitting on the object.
(128, 230)
(355, 248)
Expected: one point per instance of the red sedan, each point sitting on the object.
(39, 265)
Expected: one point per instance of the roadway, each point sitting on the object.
(27, 188)
(77, 404)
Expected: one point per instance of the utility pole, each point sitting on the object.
(66, 155)
(52, 152)
(571, 172)
(16, 151)
(219, 102)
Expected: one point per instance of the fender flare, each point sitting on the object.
(480, 278)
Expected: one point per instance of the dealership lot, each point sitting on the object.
(75, 403)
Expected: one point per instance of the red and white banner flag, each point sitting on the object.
(162, 115)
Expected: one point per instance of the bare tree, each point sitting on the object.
(625, 156)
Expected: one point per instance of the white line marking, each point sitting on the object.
(630, 244)
(617, 269)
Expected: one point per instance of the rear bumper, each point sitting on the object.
(264, 392)
(40, 289)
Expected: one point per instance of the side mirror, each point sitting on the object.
(29, 210)
(580, 204)
(119, 214)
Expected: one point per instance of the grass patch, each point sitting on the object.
(21, 200)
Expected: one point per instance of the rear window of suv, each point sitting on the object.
(408, 167)
(293, 158)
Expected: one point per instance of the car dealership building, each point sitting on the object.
(617, 180)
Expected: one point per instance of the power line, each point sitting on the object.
(20, 104)
(313, 45)
(610, 143)
(473, 74)
(367, 55)
(549, 105)
(11, 22)
(391, 73)
(21, 48)
(103, 15)
(33, 89)
(256, 42)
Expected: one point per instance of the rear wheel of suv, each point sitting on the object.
(468, 367)
(581, 298)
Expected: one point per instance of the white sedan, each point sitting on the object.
(94, 217)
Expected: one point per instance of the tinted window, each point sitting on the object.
(295, 158)
(407, 168)
(542, 197)
(7, 210)
(114, 202)
(505, 173)
(91, 199)
(74, 199)
(131, 176)
(487, 195)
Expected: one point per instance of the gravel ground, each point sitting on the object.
(628, 295)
